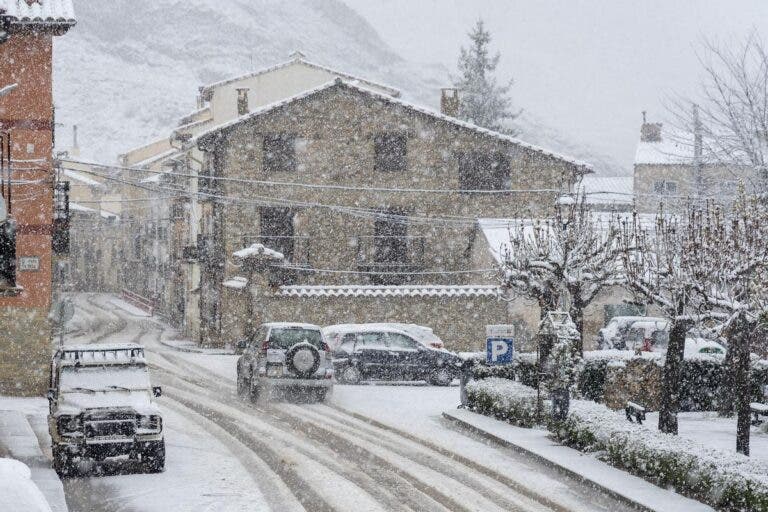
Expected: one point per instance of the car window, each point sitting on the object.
(347, 343)
(400, 341)
(371, 340)
(286, 337)
(710, 350)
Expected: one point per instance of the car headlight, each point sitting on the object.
(70, 424)
(152, 422)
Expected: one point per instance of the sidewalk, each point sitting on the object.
(537, 444)
(19, 440)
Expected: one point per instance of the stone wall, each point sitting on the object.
(25, 351)
(459, 321)
(637, 380)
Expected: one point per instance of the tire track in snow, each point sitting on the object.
(348, 448)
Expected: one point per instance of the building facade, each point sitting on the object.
(356, 188)
(26, 124)
(672, 168)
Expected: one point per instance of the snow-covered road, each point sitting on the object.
(371, 448)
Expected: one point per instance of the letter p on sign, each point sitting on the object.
(500, 344)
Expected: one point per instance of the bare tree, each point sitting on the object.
(702, 266)
(565, 260)
(730, 121)
(730, 268)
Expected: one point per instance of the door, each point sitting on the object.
(404, 356)
(276, 230)
(373, 354)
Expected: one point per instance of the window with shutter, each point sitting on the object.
(390, 152)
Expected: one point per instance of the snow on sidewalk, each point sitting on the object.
(536, 442)
(19, 441)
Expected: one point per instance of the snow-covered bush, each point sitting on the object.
(727, 481)
(504, 399)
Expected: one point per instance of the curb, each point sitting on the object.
(193, 350)
(521, 449)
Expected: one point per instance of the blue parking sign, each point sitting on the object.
(499, 344)
(499, 350)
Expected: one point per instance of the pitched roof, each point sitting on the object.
(673, 148)
(209, 135)
(608, 189)
(47, 12)
(207, 90)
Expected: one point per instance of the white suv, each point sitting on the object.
(285, 355)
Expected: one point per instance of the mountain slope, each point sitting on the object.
(131, 68)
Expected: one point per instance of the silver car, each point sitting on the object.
(290, 356)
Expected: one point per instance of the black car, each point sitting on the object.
(389, 354)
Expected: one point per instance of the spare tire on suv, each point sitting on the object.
(303, 359)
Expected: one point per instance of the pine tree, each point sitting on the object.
(483, 102)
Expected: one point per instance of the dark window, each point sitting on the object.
(279, 152)
(483, 171)
(7, 253)
(276, 230)
(289, 336)
(390, 232)
(389, 152)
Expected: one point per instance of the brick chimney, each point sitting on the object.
(449, 101)
(242, 101)
(650, 132)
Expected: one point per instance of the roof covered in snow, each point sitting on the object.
(82, 178)
(80, 208)
(258, 250)
(237, 283)
(389, 291)
(674, 148)
(207, 90)
(498, 232)
(46, 12)
(608, 189)
(209, 135)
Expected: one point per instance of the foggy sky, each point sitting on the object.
(585, 67)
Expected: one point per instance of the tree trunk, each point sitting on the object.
(726, 394)
(670, 392)
(740, 348)
(577, 315)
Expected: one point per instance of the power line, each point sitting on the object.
(319, 186)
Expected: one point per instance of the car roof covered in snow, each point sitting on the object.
(370, 327)
(291, 325)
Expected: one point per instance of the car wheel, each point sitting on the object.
(255, 391)
(153, 457)
(242, 387)
(441, 377)
(350, 375)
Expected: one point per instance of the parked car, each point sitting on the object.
(381, 352)
(646, 334)
(101, 405)
(654, 337)
(614, 335)
(424, 335)
(291, 356)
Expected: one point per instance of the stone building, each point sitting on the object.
(27, 30)
(163, 233)
(374, 205)
(673, 167)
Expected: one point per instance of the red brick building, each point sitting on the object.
(27, 29)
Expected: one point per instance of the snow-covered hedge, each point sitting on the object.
(726, 481)
(702, 376)
(504, 399)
